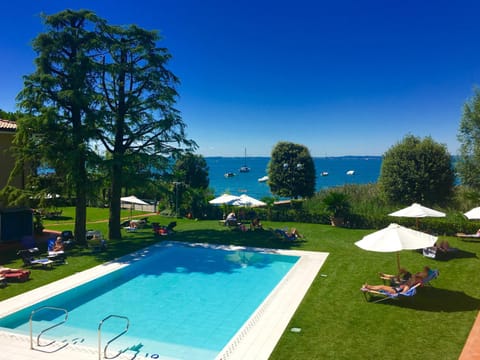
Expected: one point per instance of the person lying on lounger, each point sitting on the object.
(422, 275)
(292, 234)
(58, 245)
(397, 289)
(403, 276)
(444, 246)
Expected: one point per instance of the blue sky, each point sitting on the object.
(343, 77)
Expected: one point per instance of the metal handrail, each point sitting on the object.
(47, 329)
(111, 340)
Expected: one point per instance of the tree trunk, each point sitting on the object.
(116, 191)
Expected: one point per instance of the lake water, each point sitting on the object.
(367, 170)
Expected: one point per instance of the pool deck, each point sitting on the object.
(255, 340)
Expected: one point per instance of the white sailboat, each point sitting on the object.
(245, 168)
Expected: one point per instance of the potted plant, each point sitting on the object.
(337, 206)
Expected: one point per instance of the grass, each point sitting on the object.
(336, 321)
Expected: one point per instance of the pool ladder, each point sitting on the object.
(127, 325)
(47, 329)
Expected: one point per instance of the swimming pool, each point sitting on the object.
(183, 301)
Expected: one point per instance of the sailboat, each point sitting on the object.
(245, 168)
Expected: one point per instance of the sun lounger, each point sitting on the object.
(377, 296)
(432, 275)
(30, 261)
(9, 274)
(438, 253)
(467, 235)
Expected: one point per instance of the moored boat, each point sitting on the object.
(245, 168)
(263, 179)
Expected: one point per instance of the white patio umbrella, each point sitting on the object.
(417, 211)
(225, 199)
(473, 214)
(395, 238)
(132, 200)
(245, 200)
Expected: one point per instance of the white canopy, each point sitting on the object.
(226, 199)
(473, 214)
(417, 211)
(245, 200)
(133, 200)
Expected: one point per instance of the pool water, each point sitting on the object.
(183, 301)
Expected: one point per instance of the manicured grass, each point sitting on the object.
(336, 321)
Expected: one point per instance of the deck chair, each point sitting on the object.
(95, 241)
(29, 260)
(284, 235)
(59, 257)
(9, 274)
(377, 296)
(67, 237)
(438, 253)
(432, 275)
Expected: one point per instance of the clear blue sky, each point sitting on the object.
(343, 77)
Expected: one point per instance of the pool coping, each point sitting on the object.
(256, 339)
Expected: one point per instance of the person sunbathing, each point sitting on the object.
(420, 276)
(403, 276)
(393, 290)
(58, 245)
(443, 246)
(292, 234)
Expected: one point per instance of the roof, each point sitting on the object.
(8, 125)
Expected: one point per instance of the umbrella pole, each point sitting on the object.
(398, 261)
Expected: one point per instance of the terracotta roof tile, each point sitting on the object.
(8, 125)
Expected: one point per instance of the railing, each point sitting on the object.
(111, 340)
(47, 329)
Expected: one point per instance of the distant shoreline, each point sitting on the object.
(313, 157)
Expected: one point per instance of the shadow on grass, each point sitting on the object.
(462, 254)
(141, 239)
(438, 300)
(258, 238)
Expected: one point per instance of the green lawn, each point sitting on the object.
(336, 321)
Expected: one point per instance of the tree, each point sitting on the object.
(416, 170)
(137, 97)
(58, 98)
(191, 184)
(468, 164)
(192, 170)
(338, 207)
(291, 171)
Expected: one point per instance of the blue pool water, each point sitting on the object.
(183, 301)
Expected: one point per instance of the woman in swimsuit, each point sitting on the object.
(389, 289)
